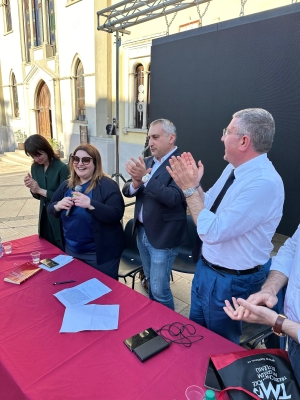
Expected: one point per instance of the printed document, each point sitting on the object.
(92, 317)
(83, 293)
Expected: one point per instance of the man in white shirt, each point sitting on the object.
(160, 210)
(285, 269)
(236, 219)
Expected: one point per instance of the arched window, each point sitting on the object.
(51, 21)
(8, 22)
(27, 29)
(37, 21)
(36, 29)
(80, 93)
(15, 99)
(139, 95)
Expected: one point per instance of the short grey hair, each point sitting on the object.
(259, 125)
(167, 126)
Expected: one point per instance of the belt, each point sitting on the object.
(231, 271)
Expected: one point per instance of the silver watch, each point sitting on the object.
(189, 192)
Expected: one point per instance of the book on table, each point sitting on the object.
(22, 273)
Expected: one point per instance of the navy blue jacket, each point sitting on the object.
(164, 207)
(109, 209)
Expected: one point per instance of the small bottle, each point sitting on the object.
(210, 395)
(1, 248)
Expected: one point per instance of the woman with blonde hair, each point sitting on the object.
(90, 207)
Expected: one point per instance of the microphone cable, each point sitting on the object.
(184, 334)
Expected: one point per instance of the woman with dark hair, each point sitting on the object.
(47, 173)
(92, 230)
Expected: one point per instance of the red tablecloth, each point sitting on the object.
(39, 363)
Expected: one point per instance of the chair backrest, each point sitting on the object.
(130, 239)
(190, 236)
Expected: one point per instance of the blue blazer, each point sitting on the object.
(164, 207)
(109, 210)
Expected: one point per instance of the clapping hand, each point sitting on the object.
(137, 169)
(184, 171)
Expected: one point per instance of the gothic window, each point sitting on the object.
(15, 100)
(8, 22)
(80, 93)
(51, 21)
(37, 21)
(34, 28)
(27, 29)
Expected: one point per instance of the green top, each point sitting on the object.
(56, 173)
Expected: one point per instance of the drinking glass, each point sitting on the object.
(35, 257)
(194, 392)
(7, 247)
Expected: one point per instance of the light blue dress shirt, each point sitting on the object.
(287, 261)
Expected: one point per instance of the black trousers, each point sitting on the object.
(109, 268)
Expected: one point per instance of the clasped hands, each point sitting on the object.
(79, 200)
(137, 169)
(31, 184)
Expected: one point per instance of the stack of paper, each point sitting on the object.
(80, 317)
(61, 260)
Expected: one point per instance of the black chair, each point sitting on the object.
(253, 334)
(130, 263)
(184, 261)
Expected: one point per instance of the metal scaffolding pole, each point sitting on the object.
(122, 15)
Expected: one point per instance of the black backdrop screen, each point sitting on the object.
(200, 78)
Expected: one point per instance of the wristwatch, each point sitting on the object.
(278, 325)
(190, 191)
(145, 178)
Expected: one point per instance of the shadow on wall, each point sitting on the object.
(7, 139)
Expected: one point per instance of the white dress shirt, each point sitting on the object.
(155, 167)
(238, 236)
(287, 261)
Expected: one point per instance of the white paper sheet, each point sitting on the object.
(83, 293)
(62, 260)
(91, 317)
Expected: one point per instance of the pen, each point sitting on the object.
(60, 283)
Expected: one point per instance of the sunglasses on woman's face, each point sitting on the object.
(84, 160)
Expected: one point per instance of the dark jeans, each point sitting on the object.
(209, 291)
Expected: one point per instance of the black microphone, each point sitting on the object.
(78, 188)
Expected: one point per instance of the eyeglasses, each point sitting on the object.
(84, 160)
(226, 133)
